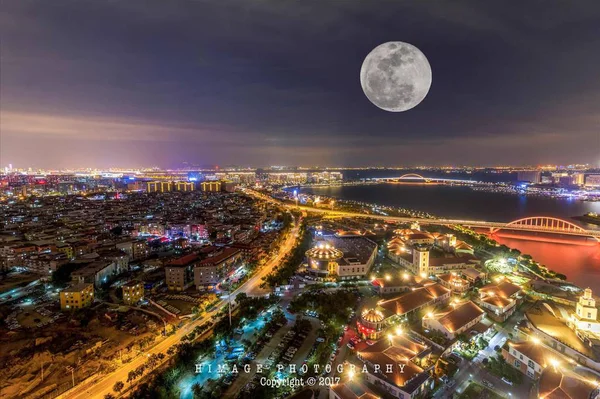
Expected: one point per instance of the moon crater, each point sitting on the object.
(395, 76)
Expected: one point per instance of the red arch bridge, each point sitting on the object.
(545, 224)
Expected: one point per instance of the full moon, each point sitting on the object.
(395, 76)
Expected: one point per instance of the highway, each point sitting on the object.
(536, 224)
(97, 389)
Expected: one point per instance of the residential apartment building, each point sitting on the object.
(133, 292)
(77, 296)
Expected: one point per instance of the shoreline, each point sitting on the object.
(499, 187)
(433, 217)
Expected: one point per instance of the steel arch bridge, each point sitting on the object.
(543, 223)
(413, 176)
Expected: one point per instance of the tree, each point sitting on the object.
(118, 386)
(482, 343)
(463, 338)
(131, 376)
(197, 390)
(109, 396)
(241, 297)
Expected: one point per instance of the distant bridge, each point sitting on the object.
(417, 177)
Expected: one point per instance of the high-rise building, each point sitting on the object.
(578, 179)
(159, 186)
(592, 181)
(77, 296)
(184, 186)
(211, 186)
(531, 176)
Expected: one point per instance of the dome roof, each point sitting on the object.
(372, 316)
(324, 251)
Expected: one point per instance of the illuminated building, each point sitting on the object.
(585, 318)
(457, 321)
(578, 179)
(65, 249)
(211, 186)
(395, 284)
(45, 264)
(395, 365)
(416, 300)
(136, 249)
(500, 299)
(218, 265)
(323, 258)
(421, 261)
(97, 272)
(371, 324)
(159, 186)
(563, 383)
(412, 249)
(351, 390)
(531, 176)
(77, 296)
(345, 258)
(529, 357)
(228, 186)
(454, 282)
(184, 186)
(133, 292)
(592, 181)
(179, 273)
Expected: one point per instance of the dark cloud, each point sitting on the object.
(261, 82)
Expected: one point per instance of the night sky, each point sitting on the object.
(273, 82)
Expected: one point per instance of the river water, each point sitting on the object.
(579, 260)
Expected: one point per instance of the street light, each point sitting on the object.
(72, 370)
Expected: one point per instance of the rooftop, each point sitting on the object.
(395, 351)
(183, 261)
(324, 251)
(460, 316)
(414, 299)
(505, 289)
(77, 287)
(353, 390)
(558, 383)
(532, 350)
(543, 318)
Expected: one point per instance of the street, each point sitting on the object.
(251, 287)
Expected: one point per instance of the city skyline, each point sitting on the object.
(131, 85)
